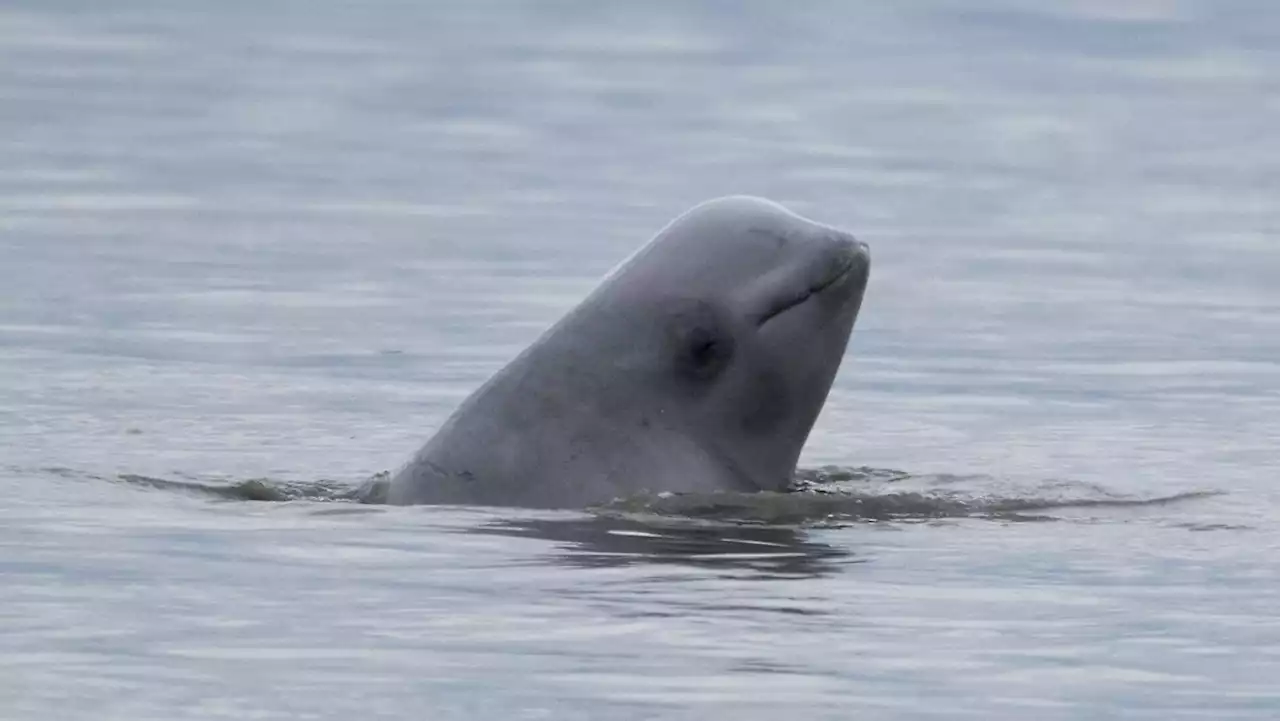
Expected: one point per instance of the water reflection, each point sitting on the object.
(602, 541)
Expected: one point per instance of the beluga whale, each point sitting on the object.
(699, 364)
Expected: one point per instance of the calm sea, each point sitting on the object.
(282, 240)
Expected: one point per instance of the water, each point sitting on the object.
(282, 242)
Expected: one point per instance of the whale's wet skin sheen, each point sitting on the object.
(698, 364)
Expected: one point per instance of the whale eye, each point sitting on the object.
(703, 350)
(702, 344)
(705, 354)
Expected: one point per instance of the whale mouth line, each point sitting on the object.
(787, 303)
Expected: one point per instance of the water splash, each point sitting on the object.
(820, 496)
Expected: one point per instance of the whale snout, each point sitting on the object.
(862, 251)
(850, 258)
(852, 247)
(837, 272)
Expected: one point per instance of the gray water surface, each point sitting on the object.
(282, 240)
